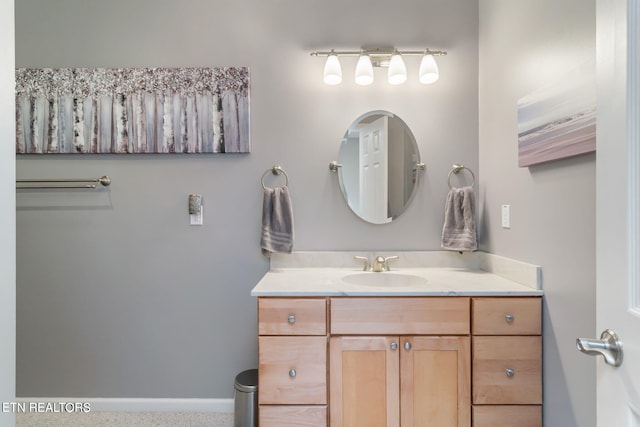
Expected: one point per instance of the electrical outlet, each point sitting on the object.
(506, 216)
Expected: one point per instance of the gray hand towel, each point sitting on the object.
(459, 230)
(277, 221)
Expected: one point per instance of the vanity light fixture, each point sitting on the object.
(397, 73)
(364, 70)
(428, 70)
(380, 57)
(332, 69)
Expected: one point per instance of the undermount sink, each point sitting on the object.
(384, 279)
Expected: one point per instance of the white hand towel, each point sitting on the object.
(277, 221)
(459, 229)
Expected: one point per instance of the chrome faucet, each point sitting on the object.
(379, 263)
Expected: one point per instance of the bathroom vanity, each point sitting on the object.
(437, 341)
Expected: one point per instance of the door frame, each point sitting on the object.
(7, 212)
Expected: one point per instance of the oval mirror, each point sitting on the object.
(379, 161)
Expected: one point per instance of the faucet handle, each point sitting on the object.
(367, 265)
(389, 258)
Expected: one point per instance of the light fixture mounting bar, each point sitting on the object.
(378, 52)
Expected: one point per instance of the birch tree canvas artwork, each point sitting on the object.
(132, 110)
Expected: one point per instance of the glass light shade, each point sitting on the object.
(364, 71)
(428, 70)
(332, 70)
(397, 71)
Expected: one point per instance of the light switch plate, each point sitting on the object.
(506, 216)
(196, 219)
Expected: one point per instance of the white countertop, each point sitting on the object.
(466, 278)
(439, 282)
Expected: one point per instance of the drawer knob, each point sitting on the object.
(293, 373)
(292, 319)
(510, 372)
(407, 345)
(394, 346)
(509, 318)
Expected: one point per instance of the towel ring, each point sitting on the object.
(456, 169)
(276, 170)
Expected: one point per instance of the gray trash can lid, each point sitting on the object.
(247, 381)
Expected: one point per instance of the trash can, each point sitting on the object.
(246, 399)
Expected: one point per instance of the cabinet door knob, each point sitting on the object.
(394, 346)
(292, 319)
(407, 345)
(292, 373)
(509, 318)
(510, 372)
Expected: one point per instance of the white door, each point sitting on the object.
(618, 208)
(374, 171)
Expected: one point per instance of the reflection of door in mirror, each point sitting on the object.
(402, 166)
(374, 171)
(379, 164)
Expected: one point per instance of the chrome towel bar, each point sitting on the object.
(52, 183)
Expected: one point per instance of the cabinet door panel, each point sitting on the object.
(507, 416)
(507, 316)
(400, 316)
(293, 416)
(306, 384)
(435, 378)
(363, 373)
(494, 384)
(292, 316)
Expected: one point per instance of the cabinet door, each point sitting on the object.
(364, 382)
(293, 416)
(507, 370)
(507, 316)
(435, 381)
(507, 416)
(292, 370)
(292, 316)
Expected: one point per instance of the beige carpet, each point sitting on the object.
(125, 419)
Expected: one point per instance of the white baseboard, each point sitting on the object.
(141, 405)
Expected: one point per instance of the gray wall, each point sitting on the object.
(7, 214)
(117, 295)
(523, 45)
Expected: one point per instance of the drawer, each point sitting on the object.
(507, 370)
(507, 316)
(399, 316)
(292, 316)
(507, 416)
(292, 416)
(292, 370)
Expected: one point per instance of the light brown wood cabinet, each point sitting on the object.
(403, 379)
(395, 381)
(400, 361)
(292, 362)
(507, 361)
